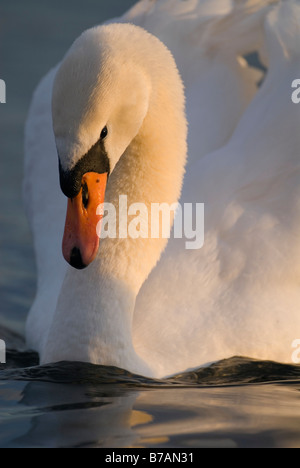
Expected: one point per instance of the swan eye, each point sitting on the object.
(104, 133)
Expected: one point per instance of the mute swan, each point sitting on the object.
(139, 306)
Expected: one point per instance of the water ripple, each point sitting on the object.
(234, 371)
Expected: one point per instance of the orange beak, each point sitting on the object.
(81, 241)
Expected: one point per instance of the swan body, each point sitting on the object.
(146, 305)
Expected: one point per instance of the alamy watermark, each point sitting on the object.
(2, 352)
(139, 221)
(296, 93)
(296, 353)
(2, 92)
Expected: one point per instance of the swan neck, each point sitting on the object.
(93, 320)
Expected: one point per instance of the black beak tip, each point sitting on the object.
(76, 259)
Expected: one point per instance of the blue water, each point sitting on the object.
(234, 403)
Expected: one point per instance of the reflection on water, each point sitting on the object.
(234, 403)
(38, 414)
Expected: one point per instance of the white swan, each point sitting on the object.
(240, 293)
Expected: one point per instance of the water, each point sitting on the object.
(234, 403)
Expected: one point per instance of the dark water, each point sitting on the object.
(234, 403)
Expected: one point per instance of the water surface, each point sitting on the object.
(234, 403)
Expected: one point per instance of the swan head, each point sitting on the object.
(100, 100)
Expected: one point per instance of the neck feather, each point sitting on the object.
(93, 320)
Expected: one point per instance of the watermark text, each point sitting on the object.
(156, 221)
(2, 92)
(296, 353)
(296, 93)
(2, 352)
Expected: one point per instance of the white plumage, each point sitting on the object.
(240, 294)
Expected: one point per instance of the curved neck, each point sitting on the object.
(93, 320)
(150, 171)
